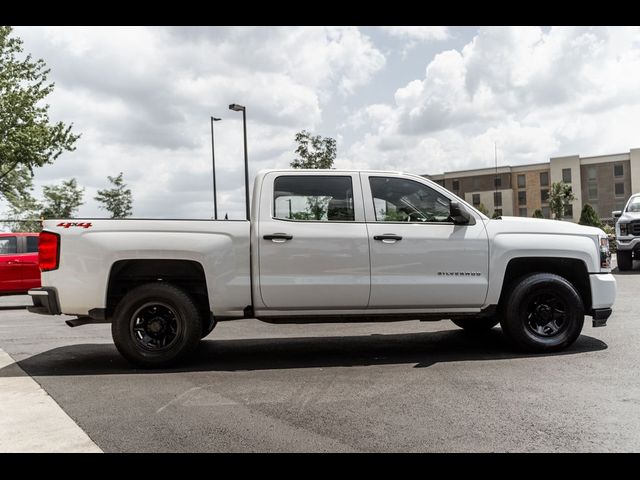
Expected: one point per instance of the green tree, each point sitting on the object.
(496, 214)
(483, 209)
(590, 217)
(560, 195)
(314, 152)
(27, 138)
(117, 200)
(25, 215)
(537, 213)
(62, 201)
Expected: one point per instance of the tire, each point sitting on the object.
(476, 325)
(155, 325)
(625, 260)
(208, 324)
(544, 313)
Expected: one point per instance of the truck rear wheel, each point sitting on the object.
(625, 260)
(476, 325)
(544, 313)
(155, 325)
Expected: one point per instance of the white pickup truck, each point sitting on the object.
(327, 246)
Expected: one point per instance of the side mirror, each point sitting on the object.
(617, 213)
(459, 214)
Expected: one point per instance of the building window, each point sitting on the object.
(456, 185)
(592, 173)
(544, 195)
(593, 191)
(522, 198)
(497, 182)
(568, 210)
(619, 189)
(546, 212)
(476, 183)
(523, 212)
(544, 179)
(521, 181)
(497, 199)
(476, 199)
(618, 170)
(566, 175)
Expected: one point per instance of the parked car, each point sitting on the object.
(327, 246)
(19, 269)
(628, 233)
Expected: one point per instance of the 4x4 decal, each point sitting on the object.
(74, 224)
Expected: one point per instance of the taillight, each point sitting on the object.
(48, 251)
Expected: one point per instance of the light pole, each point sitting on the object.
(239, 108)
(213, 162)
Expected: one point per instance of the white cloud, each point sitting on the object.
(537, 94)
(424, 33)
(142, 97)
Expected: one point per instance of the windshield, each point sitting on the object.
(634, 204)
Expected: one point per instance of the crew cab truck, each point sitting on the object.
(327, 246)
(628, 233)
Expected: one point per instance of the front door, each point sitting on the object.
(419, 258)
(313, 248)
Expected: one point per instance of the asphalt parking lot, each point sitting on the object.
(405, 386)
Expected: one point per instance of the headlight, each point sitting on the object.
(623, 229)
(605, 253)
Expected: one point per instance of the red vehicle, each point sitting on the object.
(18, 263)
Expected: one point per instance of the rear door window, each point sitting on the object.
(313, 198)
(32, 244)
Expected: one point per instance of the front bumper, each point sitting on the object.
(45, 301)
(603, 295)
(628, 243)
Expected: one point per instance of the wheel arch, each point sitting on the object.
(571, 269)
(185, 274)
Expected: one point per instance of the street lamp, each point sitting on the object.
(213, 161)
(239, 108)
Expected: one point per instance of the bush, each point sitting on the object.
(537, 213)
(590, 217)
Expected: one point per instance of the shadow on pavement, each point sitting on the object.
(634, 271)
(420, 349)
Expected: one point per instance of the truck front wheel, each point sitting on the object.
(544, 313)
(625, 259)
(155, 325)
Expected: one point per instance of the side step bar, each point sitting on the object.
(96, 315)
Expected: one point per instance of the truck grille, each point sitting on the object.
(634, 228)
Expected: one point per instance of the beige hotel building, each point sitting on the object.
(605, 181)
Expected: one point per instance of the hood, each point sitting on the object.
(540, 225)
(630, 216)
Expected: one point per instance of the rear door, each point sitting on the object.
(313, 246)
(29, 258)
(10, 265)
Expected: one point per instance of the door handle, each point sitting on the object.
(388, 238)
(278, 237)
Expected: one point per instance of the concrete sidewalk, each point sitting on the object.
(31, 421)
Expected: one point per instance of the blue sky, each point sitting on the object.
(418, 99)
